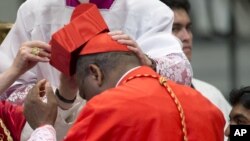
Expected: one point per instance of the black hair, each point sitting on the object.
(178, 4)
(107, 62)
(240, 96)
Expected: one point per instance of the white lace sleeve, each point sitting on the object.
(175, 67)
(43, 133)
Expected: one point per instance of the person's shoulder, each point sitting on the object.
(121, 97)
(42, 12)
(45, 2)
(213, 94)
(181, 88)
(109, 102)
(186, 92)
(203, 86)
(149, 6)
(34, 5)
(118, 95)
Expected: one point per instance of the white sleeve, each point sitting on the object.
(43, 133)
(19, 33)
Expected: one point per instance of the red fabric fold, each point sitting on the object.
(86, 23)
(13, 119)
(102, 43)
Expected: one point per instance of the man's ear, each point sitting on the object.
(96, 74)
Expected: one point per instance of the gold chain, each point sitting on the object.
(6, 132)
(163, 82)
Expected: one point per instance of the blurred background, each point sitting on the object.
(221, 53)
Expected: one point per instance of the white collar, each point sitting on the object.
(125, 75)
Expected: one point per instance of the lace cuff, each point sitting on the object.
(175, 67)
(44, 133)
(16, 93)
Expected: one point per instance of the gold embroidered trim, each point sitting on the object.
(163, 82)
(6, 132)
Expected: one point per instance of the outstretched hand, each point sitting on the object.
(29, 54)
(124, 39)
(36, 111)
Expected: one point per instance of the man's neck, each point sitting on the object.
(125, 75)
(117, 76)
